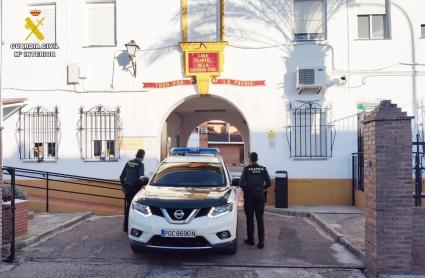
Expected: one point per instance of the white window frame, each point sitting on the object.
(86, 23)
(386, 27)
(324, 25)
(190, 35)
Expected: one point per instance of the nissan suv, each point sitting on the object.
(188, 204)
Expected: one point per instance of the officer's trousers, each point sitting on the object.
(129, 195)
(254, 204)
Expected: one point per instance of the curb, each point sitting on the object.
(338, 237)
(287, 212)
(36, 238)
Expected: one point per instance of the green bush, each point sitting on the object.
(7, 193)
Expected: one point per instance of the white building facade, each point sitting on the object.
(295, 74)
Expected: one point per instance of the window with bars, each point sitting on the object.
(98, 133)
(310, 134)
(38, 134)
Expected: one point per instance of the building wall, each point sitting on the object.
(260, 48)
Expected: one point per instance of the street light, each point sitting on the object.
(132, 48)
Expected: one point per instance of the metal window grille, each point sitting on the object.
(310, 134)
(38, 132)
(98, 133)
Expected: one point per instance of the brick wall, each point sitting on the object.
(419, 239)
(21, 219)
(231, 153)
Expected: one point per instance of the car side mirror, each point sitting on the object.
(236, 181)
(144, 180)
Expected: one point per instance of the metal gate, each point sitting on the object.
(357, 164)
(418, 156)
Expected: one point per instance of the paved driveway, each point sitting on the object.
(295, 247)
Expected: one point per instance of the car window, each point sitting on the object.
(189, 174)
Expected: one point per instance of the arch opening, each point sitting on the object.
(199, 112)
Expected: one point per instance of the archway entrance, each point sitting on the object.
(195, 111)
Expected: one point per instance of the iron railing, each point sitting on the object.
(48, 177)
(77, 182)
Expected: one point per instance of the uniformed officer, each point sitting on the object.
(130, 181)
(254, 181)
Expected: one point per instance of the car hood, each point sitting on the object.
(183, 197)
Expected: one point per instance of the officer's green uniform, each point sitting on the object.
(254, 180)
(130, 181)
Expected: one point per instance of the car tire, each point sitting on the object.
(135, 248)
(233, 248)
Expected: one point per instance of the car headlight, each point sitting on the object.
(143, 209)
(220, 211)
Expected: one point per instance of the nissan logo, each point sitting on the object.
(179, 214)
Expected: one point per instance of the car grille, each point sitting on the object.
(198, 241)
(171, 212)
(202, 212)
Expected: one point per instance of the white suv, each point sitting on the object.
(188, 204)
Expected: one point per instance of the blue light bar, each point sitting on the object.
(184, 151)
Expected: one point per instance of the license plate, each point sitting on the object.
(178, 233)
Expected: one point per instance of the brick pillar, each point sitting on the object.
(388, 190)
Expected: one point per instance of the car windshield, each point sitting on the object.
(192, 174)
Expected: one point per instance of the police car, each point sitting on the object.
(188, 204)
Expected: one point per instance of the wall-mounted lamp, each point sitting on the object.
(132, 48)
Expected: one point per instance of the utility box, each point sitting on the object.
(281, 189)
(73, 73)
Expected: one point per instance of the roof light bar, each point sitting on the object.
(184, 151)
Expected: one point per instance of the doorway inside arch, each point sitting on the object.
(223, 136)
(208, 122)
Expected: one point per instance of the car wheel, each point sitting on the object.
(135, 248)
(233, 248)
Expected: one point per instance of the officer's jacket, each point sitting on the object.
(132, 172)
(255, 178)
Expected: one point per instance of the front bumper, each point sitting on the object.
(206, 230)
(220, 246)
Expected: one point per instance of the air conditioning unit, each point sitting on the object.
(311, 78)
